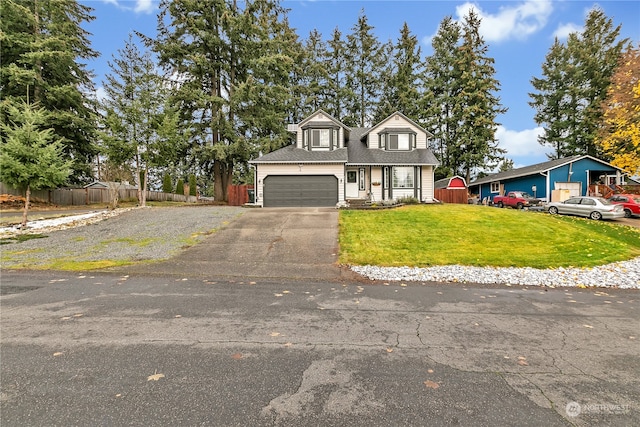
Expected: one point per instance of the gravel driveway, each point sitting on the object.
(142, 234)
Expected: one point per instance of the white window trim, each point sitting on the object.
(495, 187)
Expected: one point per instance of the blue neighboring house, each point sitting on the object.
(553, 180)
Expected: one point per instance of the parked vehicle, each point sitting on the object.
(516, 199)
(591, 207)
(630, 203)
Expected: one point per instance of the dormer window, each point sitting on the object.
(320, 137)
(397, 140)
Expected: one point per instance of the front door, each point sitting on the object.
(352, 190)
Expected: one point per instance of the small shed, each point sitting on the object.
(124, 185)
(554, 180)
(451, 190)
(452, 183)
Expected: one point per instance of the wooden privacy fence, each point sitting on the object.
(88, 196)
(238, 195)
(459, 196)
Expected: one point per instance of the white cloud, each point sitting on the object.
(100, 93)
(144, 6)
(521, 144)
(141, 6)
(563, 30)
(515, 21)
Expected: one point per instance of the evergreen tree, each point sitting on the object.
(479, 105)
(232, 69)
(367, 59)
(440, 99)
(193, 190)
(336, 66)
(133, 105)
(619, 137)
(401, 91)
(315, 78)
(167, 186)
(574, 83)
(43, 46)
(556, 101)
(180, 187)
(31, 156)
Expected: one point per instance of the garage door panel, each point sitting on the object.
(300, 190)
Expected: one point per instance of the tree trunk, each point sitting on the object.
(27, 200)
(222, 177)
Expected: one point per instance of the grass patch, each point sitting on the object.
(420, 236)
(129, 241)
(71, 265)
(19, 238)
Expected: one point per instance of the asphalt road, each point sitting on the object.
(112, 349)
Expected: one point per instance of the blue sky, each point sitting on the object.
(518, 33)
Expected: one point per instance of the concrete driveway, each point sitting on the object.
(268, 243)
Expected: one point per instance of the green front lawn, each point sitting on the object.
(428, 235)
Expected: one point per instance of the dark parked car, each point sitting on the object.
(591, 207)
(630, 203)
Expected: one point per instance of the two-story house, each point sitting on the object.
(331, 163)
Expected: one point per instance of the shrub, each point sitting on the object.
(408, 200)
(166, 183)
(180, 187)
(192, 185)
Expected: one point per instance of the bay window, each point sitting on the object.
(397, 140)
(321, 138)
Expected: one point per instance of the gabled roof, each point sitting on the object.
(535, 169)
(111, 184)
(291, 154)
(446, 182)
(329, 116)
(398, 113)
(360, 154)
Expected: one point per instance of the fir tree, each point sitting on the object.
(335, 64)
(364, 73)
(31, 156)
(440, 99)
(574, 83)
(479, 105)
(43, 48)
(401, 91)
(233, 67)
(133, 106)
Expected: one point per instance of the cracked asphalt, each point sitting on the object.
(141, 349)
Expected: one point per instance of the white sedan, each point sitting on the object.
(591, 207)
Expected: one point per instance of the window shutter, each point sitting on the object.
(383, 142)
(305, 139)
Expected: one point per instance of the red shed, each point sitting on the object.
(451, 190)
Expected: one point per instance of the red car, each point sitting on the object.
(630, 202)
